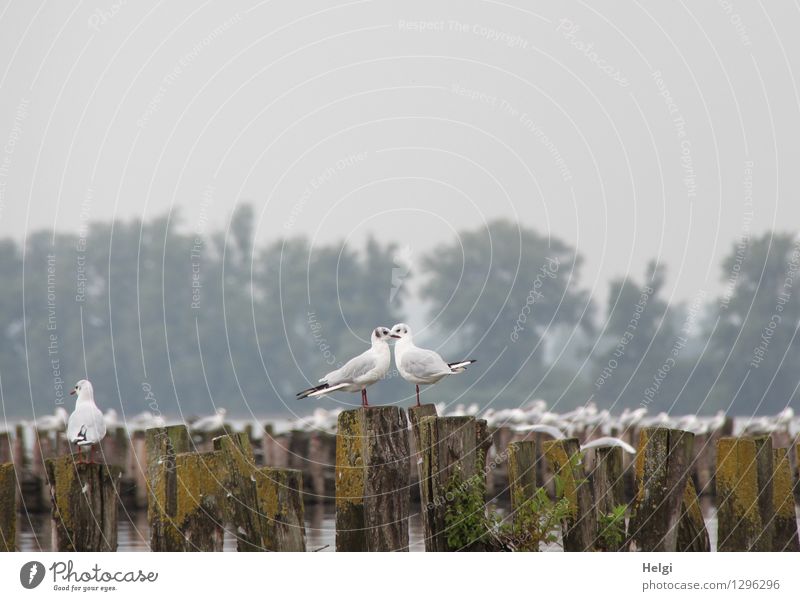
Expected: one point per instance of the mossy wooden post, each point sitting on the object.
(8, 507)
(242, 501)
(415, 414)
(744, 487)
(663, 463)
(579, 530)
(785, 537)
(20, 452)
(161, 447)
(200, 500)
(449, 447)
(521, 473)
(692, 532)
(608, 487)
(280, 504)
(372, 475)
(84, 504)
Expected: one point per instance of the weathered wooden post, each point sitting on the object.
(415, 414)
(161, 447)
(200, 501)
(8, 507)
(745, 514)
(137, 467)
(6, 448)
(372, 492)
(579, 531)
(785, 538)
(449, 447)
(242, 501)
(608, 486)
(692, 532)
(521, 472)
(84, 498)
(663, 462)
(280, 503)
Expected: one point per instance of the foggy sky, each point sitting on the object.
(638, 131)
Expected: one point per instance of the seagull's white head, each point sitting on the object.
(84, 390)
(401, 331)
(380, 334)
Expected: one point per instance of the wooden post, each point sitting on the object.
(137, 467)
(521, 472)
(785, 538)
(280, 503)
(161, 447)
(692, 532)
(6, 448)
(8, 507)
(242, 503)
(608, 486)
(449, 446)
(744, 488)
(415, 414)
(579, 531)
(200, 500)
(663, 462)
(372, 495)
(84, 504)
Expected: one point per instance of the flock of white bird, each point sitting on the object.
(87, 425)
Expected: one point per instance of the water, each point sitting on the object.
(33, 530)
(133, 533)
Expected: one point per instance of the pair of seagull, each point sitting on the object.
(416, 365)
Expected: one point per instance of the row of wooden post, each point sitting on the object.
(193, 496)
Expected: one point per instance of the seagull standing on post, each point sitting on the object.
(86, 426)
(419, 365)
(358, 373)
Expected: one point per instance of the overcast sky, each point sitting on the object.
(635, 131)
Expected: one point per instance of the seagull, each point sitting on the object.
(85, 426)
(358, 373)
(421, 366)
(210, 423)
(542, 429)
(608, 441)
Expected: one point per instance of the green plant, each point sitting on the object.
(611, 529)
(467, 519)
(537, 519)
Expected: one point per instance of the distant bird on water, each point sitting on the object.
(86, 426)
(358, 373)
(418, 365)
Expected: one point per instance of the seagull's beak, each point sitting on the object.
(394, 335)
(73, 391)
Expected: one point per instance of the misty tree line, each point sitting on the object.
(162, 319)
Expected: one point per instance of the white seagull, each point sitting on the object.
(86, 426)
(418, 365)
(358, 373)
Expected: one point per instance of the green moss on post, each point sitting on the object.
(280, 503)
(84, 504)
(785, 537)
(449, 446)
(162, 445)
(372, 475)
(8, 507)
(200, 507)
(663, 463)
(744, 494)
(579, 531)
